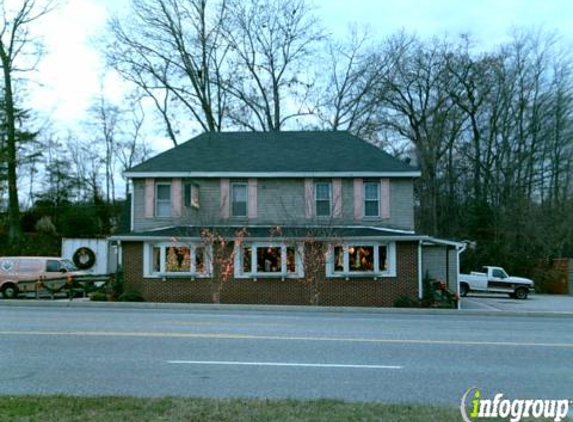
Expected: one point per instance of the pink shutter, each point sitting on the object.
(225, 189)
(149, 198)
(358, 199)
(385, 197)
(309, 197)
(176, 198)
(252, 198)
(337, 198)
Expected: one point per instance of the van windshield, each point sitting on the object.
(69, 265)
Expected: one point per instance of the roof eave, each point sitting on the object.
(269, 175)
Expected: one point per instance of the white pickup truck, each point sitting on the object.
(495, 280)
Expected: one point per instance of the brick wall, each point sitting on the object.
(381, 292)
(158, 290)
(334, 292)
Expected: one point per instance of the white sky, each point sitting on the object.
(70, 73)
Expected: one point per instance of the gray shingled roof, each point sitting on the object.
(263, 152)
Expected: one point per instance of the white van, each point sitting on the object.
(17, 274)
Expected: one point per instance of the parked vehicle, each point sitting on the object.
(495, 280)
(16, 270)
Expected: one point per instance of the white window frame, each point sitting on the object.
(346, 273)
(164, 247)
(246, 186)
(239, 254)
(377, 200)
(163, 201)
(316, 199)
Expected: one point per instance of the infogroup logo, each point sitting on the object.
(474, 407)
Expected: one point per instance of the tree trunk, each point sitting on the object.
(14, 227)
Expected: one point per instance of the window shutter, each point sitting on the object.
(225, 198)
(309, 197)
(337, 198)
(385, 198)
(358, 199)
(149, 198)
(252, 199)
(176, 198)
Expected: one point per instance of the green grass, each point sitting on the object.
(129, 409)
(116, 409)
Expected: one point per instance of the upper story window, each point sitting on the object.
(163, 200)
(323, 198)
(176, 259)
(191, 195)
(371, 199)
(239, 199)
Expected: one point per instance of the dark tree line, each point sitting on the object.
(491, 131)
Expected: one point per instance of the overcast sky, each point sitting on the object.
(69, 74)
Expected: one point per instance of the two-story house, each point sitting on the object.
(272, 215)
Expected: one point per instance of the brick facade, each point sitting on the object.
(334, 292)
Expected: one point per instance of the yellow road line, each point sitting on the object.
(225, 336)
(230, 324)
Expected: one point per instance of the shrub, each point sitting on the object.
(98, 297)
(406, 302)
(131, 296)
(117, 286)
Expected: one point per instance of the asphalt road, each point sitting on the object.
(280, 354)
(534, 303)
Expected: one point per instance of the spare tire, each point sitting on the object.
(84, 258)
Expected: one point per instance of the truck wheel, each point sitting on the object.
(464, 289)
(521, 294)
(10, 291)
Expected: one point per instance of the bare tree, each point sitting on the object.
(348, 100)
(16, 41)
(173, 51)
(132, 147)
(272, 42)
(106, 119)
(416, 106)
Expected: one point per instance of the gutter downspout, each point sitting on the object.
(460, 250)
(420, 293)
(131, 206)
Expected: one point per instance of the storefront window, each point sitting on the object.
(247, 260)
(176, 259)
(291, 259)
(270, 259)
(156, 264)
(200, 259)
(383, 258)
(361, 258)
(338, 259)
(357, 259)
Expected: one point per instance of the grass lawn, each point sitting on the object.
(127, 409)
